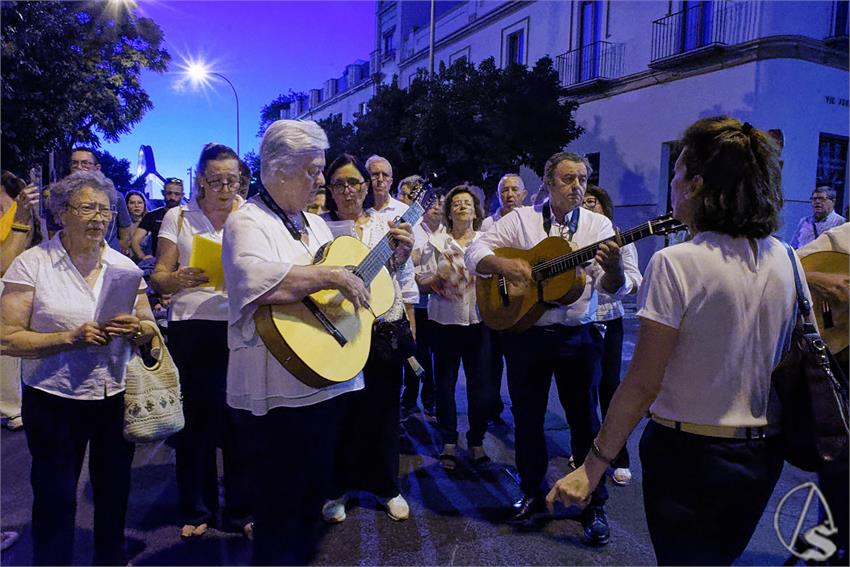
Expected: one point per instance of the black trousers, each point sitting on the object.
(424, 333)
(367, 451)
(612, 361)
(199, 349)
(290, 453)
(572, 355)
(497, 368)
(704, 496)
(470, 344)
(58, 431)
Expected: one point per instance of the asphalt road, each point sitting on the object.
(454, 520)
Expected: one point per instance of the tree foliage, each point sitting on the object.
(71, 75)
(340, 136)
(118, 170)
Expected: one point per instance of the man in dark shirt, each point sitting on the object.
(173, 194)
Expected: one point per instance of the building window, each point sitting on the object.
(461, 55)
(593, 158)
(840, 10)
(832, 166)
(388, 44)
(515, 44)
(588, 37)
(697, 25)
(362, 107)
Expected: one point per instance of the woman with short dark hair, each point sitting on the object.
(197, 335)
(715, 315)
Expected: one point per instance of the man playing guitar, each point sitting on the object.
(562, 340)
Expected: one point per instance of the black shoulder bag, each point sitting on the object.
(812, 393)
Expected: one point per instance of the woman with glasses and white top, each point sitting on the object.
(73, 369)
(368, 448)
(197, 338)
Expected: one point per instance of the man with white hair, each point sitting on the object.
(381, 174)
(511, 191)
(288, 428)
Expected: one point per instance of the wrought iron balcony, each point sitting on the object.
(705, 27)
(596, 62)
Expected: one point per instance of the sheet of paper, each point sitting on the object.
(342, 228)
(118, 295)
(206, 254)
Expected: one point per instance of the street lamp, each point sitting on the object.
(199, 74)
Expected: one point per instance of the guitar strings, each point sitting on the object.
(586, 253)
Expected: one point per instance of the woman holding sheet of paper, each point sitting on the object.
(75, 347)
(189, 267)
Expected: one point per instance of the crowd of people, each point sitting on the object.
(293, 451)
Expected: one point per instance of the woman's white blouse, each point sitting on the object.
(443, 310)
(62, 301)
(201, 302)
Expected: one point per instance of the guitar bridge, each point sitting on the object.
(326, 323)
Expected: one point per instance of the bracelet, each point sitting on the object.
(594, 448)
(18, 227)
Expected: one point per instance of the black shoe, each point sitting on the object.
(525, 508)
(595, 524)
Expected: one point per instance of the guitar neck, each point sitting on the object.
(381, 252)
(561, 264)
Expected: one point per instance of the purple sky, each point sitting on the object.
(264, 48)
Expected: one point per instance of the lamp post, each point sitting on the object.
(198, 73)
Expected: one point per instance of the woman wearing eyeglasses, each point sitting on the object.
(197, 339)
(73, 369)
(368, 448)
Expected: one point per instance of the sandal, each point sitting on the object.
(479, 457)
(448, 458)
(189, 531)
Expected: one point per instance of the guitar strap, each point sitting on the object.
(296, 226)
(572, 224)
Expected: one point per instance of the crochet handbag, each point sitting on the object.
(812, 393)
(153, 404)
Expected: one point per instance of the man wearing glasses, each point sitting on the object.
(381, 174)
(118, 232)
(823, 217)
(151, 222)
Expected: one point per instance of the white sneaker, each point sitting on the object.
(334, 510)
(622, 477)
(397, 508)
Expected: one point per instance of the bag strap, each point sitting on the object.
(803, 304)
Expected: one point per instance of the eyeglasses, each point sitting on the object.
(88, 211)
(379, 174)
(590, 202)
(218, 183)
(84, 163)
(351, 183)
(820, 199)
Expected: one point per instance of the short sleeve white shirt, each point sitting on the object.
(524, 230)
(733, 309)
(394, 208)
(258, 253)
(201, 302)
(62, 301)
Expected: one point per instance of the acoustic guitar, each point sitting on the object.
(831, 318)
(556, 277)
(323, 340)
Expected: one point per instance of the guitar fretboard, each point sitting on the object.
(381, 252)
(561, 264)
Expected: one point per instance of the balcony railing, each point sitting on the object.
(601, 60)
(708, 25)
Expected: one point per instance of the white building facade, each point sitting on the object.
(642, 71)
